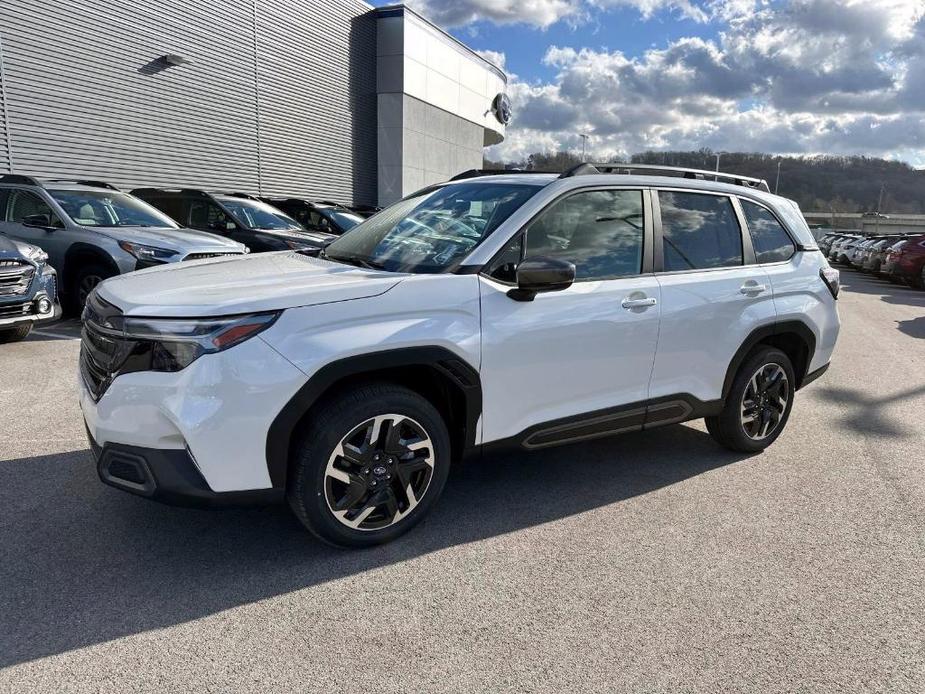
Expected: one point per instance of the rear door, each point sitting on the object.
(713, 294)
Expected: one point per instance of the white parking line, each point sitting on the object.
(60, 336)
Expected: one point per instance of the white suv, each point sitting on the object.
(514, 310)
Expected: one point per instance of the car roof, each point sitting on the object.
(624, 180)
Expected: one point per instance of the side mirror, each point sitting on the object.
(39, 221)
(540, 274)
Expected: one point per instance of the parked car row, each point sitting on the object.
(896, 257)
(71, 235)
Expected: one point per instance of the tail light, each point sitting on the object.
(830, 277)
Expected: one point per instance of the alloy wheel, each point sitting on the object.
(379, 472)
(765, 401)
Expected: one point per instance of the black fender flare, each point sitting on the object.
(763, 333)
(69, 270)
(450, 365)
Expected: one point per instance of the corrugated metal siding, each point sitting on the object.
(94, 103)
(317, 64)
(6, 166)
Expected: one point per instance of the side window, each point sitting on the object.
(504, 266)
(207, 215)
(23, 204)
(699, 231)
(770, 240)
(175, 208)
(4, 199)
(601, 231)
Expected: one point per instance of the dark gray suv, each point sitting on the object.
(28, 289)
(91, 230)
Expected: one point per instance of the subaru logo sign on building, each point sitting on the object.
(501, 107)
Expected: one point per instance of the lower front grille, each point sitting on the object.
(17, 310)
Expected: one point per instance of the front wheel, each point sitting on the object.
(85, 281)
(758, 404)
(371, 465)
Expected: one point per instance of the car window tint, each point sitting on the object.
(23, 204)
(601, 231)
(699, 231)
(770, 240)
(504, 265)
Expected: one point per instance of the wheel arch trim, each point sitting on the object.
(759, 335)
(450, 365)
(88, 250)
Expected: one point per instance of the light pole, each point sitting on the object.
(879, 206)
(584, 142)
(777, 180)
(718, 154)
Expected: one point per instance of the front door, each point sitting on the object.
(572, 364)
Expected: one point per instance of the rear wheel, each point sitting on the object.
(20, 332)
(370, 466)
(758, 404)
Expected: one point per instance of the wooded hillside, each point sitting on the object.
(818, 184)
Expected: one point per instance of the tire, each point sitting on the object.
(85, 280)
(20, 332)
(409, 476)
(729, 428)
(919, 281)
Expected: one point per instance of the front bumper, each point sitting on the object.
(216, 411)
(167, 475)
(27, 308)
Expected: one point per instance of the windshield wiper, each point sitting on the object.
(355, 260)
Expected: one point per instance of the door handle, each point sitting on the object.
(639, 303)
(753, 288)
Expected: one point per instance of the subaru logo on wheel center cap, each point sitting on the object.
(379, 470)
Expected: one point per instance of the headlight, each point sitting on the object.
(142, 252)
(37, 255)
(176, 342)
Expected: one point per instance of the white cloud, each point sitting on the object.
(809, 76)
(538, 13)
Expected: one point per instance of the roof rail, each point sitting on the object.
(684, 172)
(474, 173)
(193, 192)
(21, 180)
(84, 182)
(579, 170)
(245, 196)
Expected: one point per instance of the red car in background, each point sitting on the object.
(906, 262)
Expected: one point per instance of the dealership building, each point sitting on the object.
(329, 100)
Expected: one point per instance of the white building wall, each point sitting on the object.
(434, 104)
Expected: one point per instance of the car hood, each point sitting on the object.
(246, 284)
(10, 249)
(182, 240)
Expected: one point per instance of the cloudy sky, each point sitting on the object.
(800, 76)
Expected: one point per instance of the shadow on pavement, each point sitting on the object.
(865, 413)
(81, 563)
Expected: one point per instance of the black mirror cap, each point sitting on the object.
(542, 274)
(41, 221)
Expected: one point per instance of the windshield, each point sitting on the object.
(97, 208)
(253, 214)
(431, 230)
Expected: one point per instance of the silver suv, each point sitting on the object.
(90, 231)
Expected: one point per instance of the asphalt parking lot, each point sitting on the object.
(648, 563)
